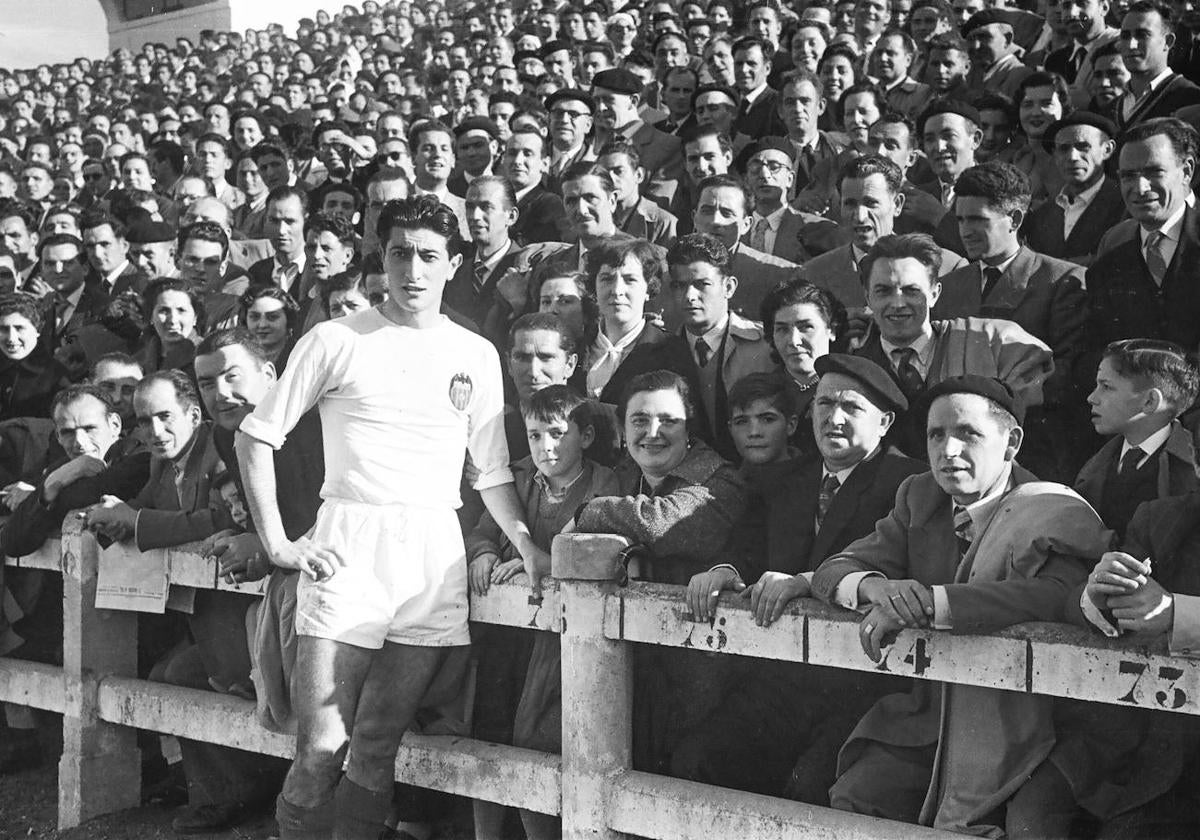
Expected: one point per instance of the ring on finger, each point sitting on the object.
(868, 628)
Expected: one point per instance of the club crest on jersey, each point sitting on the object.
(460, 391)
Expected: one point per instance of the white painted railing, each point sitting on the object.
(592, 785)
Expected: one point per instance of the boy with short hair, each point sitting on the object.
(552, 482)
(762, 418)
(1142, 386)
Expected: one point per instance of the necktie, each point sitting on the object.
(962, 530)
(991, 276)
(911, 381)
(829, 488)
(1156, 259)
(702, 352)
(1130, 461)
(481, 273)
(948, 196)
(1076, 62)
(61, 306)
(758, 238)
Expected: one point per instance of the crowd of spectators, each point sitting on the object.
(889, 303)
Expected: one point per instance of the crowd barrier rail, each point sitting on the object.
(592, 785)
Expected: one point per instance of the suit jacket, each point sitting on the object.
(909, 97)
(1042, 294)
(169, 516)
(1126, 302)
(1176, 467)
(461, 294)
(129, 280)
(744, 352)
(35, 520)
(539, 215)
(246, 252)
(1116, 757)
(554, 176)
(921, 212)
(1043, 227)
(661, 155)
(1023, 561)
(261, 272)
(1005, 76)
(761, 118)
(651, 334)
(1175, 93)
(757, 273)
(1059, 62)
(983, 346)
(835, 270)
(794, 543)
(90, 310)
(789, 239)
(650, 222)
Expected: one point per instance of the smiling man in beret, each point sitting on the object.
(477, 148)
(972, 546)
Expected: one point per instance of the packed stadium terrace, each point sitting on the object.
(889, 304)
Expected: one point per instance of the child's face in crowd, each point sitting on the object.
(557, 446)
(1116, 400)
(760, 432)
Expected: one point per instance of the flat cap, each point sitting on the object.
(571, 95)
(477, 124)
(618, 80)
(724, 90)
(984, 386)
(778, 144)
(1095, 120)
(877, 385)
(985, 18)
(148, 230)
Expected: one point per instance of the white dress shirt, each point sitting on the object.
(1073, 208)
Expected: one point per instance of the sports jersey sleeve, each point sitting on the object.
(485, 438)
(312, 370)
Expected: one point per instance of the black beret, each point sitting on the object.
(779, 144)
(877, 385)
(985, 18)
(948, 106)
(148, 230)
(1097, 121)
(984, 386)
(477, 124)
(715, 88)
(571, 95)
(526, 55)
(618, 80)
(551, 47)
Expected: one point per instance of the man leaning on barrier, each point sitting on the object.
(974, 545)
(403, 393)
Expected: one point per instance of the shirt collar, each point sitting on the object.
(110, 279)
(604, 344)
(981, 509)
(75, 296)
(752, 97)
(1003, 266)
(522, 193)
(1158, 80)
(923, 345)
(1085, 198)
(491, 262)
(1151, 444)
(298, 262)
(773, 219)
(843, 474)
(713, 337)
(1171, 227)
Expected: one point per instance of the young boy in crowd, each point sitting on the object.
(762, 418)
(552, 482)
(1142, 386)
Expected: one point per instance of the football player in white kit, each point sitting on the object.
(402, 392)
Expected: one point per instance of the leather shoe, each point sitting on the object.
(206, 819)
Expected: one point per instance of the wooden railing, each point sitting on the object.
(592, 785)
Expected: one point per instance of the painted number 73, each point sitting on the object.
(1169, 696)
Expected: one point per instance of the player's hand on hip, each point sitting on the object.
(316, 561)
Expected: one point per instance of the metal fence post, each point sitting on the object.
(100, 769)
(597, 684)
